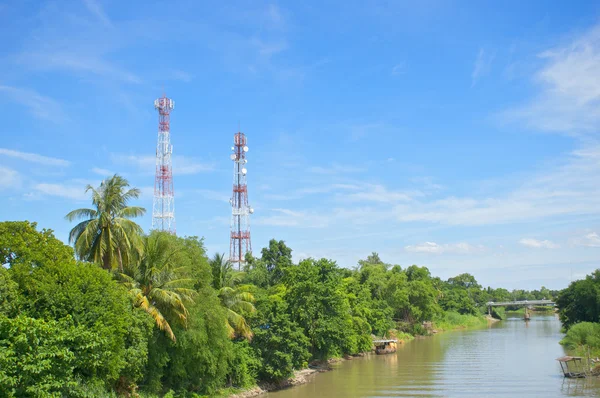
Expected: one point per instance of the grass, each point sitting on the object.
(400, 335)
(583, 339)
(455, 321)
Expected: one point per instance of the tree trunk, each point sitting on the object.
(106, 262)
(120, 258)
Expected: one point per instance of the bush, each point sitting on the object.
(199, 361)
(52, 286)
(244, 365)
(454, 320)
(42, 358)
(279, 342)
(499, 313)
(582, 336)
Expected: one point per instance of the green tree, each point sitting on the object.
(235, 298)
(580, 302)
(40, 358)
(199, 361)
(279, 342)
(158, 281)
(318, 304)
(52, 286)
(106, 235)
(21, 243)
(10, 300)
(372, 259)
(465, 281)
(277, 257)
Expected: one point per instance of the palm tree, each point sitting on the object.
(156, 284)
(235, 298)
(107, 236)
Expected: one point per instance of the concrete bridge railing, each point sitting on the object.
(517, 303)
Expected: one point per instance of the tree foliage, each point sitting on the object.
(106, 235)
(319, 306)
(163, 318)
(53, 289)
(158, 283)
(278, 341)
(580, 302)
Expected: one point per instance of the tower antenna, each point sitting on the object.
(163, 206)
(240, 242)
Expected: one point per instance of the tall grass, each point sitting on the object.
(581, 337)
(454, 320)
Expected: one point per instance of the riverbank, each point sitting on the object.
(450, 322)
(299, 377)
(455, 321)
(428, 366)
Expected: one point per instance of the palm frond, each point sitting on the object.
(131, 212)
(78, 214)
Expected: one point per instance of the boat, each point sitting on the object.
(383, 347)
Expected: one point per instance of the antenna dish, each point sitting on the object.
(233, 156)
(244, 171)
(232, 148)
(251, 210)
(245, 148)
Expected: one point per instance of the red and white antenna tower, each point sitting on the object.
(240, 243)
(163, 207)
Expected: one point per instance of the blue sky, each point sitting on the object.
(460, 138)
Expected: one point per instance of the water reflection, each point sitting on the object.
(512, 358)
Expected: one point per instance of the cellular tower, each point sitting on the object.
(240, 243)
(163, 207)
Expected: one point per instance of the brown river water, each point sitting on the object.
(511, 358)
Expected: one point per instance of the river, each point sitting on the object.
(511, 358)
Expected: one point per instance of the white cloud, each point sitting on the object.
(569, 99)
(269, 48)
(569, 189)
(591, 239)
(62, 191)
(102, 172)
(453, 248)
(82, 45)
(399, 69)
(9, 178)
(182, 165)
(538, 244)
(142, 162)
(181, 76)
(97, 10)
(34, 158)
(214, 195)
(335, 168)
(378, 193)
(76, 62)
(147, 193)
(291, 218)
(483, 65)
(39, 105)
(275, 16)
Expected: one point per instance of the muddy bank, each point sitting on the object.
(300, 377)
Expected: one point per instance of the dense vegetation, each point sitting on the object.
(579, 312)
(132, 313)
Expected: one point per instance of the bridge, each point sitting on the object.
(525, 303)
(519, 303)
